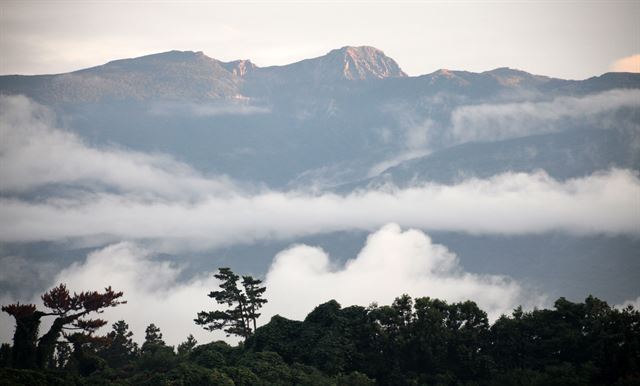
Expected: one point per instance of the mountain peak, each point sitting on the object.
(364, 62)
(239, 67)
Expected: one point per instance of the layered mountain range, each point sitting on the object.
(344, 117)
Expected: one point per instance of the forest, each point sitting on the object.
(413, 341)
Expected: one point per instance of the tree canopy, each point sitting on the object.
(71, 322)
(412, 341)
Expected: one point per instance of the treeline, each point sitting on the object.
(420, 341)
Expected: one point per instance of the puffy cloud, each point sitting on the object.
(34, 153)
(153, 289)
(491, 122)
(628, 64)
(391, 263)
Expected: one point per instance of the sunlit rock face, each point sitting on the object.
(364, 63)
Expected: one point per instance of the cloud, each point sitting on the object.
(380, 167)
(153, 289)
(34, 153)
(391, 263)
(492, 122)
(112, 195)
(635, 303)
(511, 203)
(628, 64)
(209, 109)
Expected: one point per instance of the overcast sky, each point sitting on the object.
(570, 39)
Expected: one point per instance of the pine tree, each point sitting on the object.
(243, 305)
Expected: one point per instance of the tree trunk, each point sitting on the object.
(47, 344)
(23, 354)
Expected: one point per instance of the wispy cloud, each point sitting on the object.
(131, 195)
(34, 153)
(209, 109)
(491, 122)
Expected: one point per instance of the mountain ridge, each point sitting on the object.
(192, 75)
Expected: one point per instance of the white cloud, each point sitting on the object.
(380, 167)
(128, 195)
(391, 263)
(491, 122)
(627, 64)
(152, 288)
(240, 107)
(632, 302)
(511, 203)
(34, 153)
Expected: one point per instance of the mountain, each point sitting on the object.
(346, 63)
(169, 75)
(334, 120)
(187, 75)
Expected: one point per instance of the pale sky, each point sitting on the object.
(567, 39)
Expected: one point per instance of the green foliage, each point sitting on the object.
(21, 377)
(187, 346)
(420, 341)
(121, 349)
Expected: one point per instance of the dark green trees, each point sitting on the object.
(244, 303)
(70, 313)
(121, 349)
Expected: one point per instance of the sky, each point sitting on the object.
(566, 39)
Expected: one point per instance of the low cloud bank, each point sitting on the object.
(493, 122)
(513, 204)
(85, 193)
(392, 262)
(34, 154)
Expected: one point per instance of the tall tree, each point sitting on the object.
(254, 293)
(243, 305)
(70, 313)
(187, 346)
(152, 339)
(121, 348)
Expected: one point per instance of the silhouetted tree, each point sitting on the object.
(5, 355)
(70, 311)
(152, 338)
(187, 346)
(243, 305)
(121, 348)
